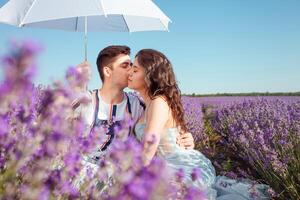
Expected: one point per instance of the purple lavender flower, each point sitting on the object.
(196, 174)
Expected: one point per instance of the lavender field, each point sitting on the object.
(41, 146)
(250, 137)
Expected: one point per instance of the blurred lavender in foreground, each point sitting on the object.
(42, 145)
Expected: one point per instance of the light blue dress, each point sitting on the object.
(220, 187)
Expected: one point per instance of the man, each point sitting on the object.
(110, 105)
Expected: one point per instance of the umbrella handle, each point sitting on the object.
(85, 43)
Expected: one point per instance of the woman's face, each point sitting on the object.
(136, 79)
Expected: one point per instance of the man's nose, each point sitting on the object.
(129, 71)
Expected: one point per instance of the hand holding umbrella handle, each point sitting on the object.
(84, 69)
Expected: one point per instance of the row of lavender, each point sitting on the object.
(250, 137)
(42, 147)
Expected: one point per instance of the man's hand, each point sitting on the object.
(186, 140)
(85, 70)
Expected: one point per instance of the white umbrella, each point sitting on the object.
(85, 15)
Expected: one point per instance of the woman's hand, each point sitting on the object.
(186, 140)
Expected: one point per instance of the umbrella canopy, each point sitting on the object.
(85, 15)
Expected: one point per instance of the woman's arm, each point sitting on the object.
(157, 117)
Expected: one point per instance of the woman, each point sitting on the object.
(153, 77)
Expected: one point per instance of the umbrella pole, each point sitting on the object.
(85, 43)
(85, 37)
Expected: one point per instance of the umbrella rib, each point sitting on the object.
(166, 27)
(126, 23)
(101, 2)
(101, 7)
(21, 24)
(160, 11)
(76, 25)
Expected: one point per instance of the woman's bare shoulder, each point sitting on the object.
(159, 102)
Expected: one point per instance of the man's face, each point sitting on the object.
(136, 79)
(120, 71)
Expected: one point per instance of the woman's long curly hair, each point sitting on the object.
(160, 80)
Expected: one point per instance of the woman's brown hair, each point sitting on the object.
(160, 80)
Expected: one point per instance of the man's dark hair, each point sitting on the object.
(108, 55)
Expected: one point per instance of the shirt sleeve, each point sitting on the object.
(83, 107)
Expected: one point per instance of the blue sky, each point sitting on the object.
(214, 45)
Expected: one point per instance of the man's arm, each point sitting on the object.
(85, 71)
(80, 88)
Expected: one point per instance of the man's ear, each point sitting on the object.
(107, 71)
